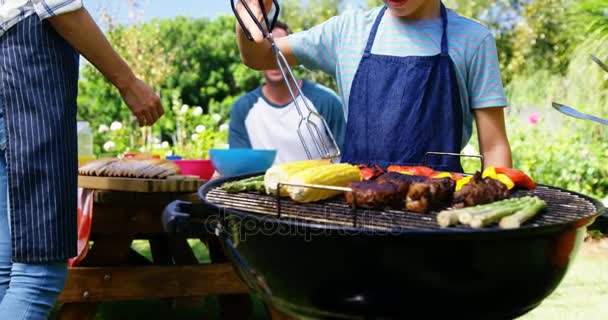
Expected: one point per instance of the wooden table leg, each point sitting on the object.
(183, 255)
(232, 307)
(107, 250)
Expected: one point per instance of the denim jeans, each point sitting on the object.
(27, 291)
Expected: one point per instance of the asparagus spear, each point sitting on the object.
(447, 218)
(523, 215)
(250, 184)
(495, 215)
(466, 215)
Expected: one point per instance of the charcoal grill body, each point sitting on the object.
(319, 271)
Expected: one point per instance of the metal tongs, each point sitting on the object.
(577, 114)
(327, 149)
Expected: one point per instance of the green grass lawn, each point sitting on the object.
(583, 294)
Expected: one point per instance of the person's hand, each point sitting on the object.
(143, 102)
(254, 5)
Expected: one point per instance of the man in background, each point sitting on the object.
(267, 118)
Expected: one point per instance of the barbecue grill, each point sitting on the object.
(331, 261)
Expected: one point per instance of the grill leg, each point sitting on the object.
(232, 307)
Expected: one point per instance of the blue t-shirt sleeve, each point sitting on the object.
(330, 107)
(316, 48)
(485, 83)
(237, 133)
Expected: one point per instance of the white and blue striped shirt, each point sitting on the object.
(337, 46)
(15, 11)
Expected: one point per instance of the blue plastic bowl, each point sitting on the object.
(234, 162)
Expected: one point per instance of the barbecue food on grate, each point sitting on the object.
(413, 170)
(250, 184)
(130, 168)
(510, 212)
(370, 173)
(402, 180)
(428, 195)
(480, 191)
(333, 175)
(375, 195)
(283, 172)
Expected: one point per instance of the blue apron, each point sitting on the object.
(403, 107)
(38, 89)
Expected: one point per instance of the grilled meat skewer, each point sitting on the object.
(480, 191)
(428, 195)
(375, 194)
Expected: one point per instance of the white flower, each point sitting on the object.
(109, 146)
(224, 127)
(200, 128)
(216, 117)
(103, 128)
(194, 136)
(198, 111)
(115, 126)
(165, 145)
(184, 108)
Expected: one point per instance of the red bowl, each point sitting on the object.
(202, 168)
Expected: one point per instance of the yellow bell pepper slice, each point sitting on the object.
(489, 172)
(462, 182)
(443, 175)
(505, 180)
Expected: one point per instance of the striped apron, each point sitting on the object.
(38, 87)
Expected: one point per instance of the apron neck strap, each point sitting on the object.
(444, 36)
(372, 34)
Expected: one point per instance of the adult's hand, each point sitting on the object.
(79, 29)
(143, 102)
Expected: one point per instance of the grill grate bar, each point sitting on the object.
(562, 207)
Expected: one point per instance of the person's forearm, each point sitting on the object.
(498, 155)
(79, 29)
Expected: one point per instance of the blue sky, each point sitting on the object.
(165, 8)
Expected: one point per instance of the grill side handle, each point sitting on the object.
(185, 218)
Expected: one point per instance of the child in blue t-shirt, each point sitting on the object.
(412, 75)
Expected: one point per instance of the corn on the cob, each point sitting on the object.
(336, 175)
(282, 173)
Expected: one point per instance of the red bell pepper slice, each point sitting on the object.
(518, 177)
(414, 170)
(370, 173)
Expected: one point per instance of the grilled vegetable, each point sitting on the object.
(370, 173)
(282, 173)
(413, 170)
(491, 173)
(337, 175)
(462, 181)
(251, 184)
(495, 215)
(513, 213)
(466, 215)
(453, 176)
(523, 215)
(519, 178)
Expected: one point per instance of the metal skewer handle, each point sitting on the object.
(322, 137)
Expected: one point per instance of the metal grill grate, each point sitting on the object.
(563, 207)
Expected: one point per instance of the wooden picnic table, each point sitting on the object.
(113, 271)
